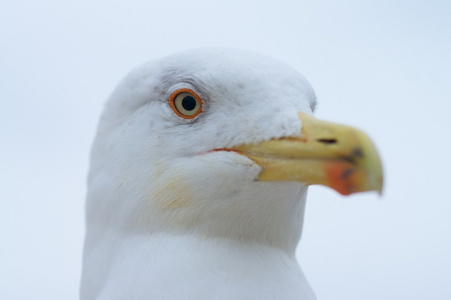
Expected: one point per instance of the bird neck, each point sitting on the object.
(147, 266)
(270, 215)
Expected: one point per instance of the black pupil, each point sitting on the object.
(189, 103)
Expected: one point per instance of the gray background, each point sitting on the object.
(383, 66)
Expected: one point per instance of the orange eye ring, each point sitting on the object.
(186, 103)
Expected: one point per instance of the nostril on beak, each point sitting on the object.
(327, 141)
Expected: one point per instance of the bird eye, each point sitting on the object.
(186, 103)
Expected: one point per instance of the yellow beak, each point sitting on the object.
(338, 156)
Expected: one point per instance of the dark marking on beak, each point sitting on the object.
(357, 152)
(346, 173)
(327, 141)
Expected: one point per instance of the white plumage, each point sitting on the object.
(168, 217)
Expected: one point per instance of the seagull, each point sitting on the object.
(198, 179)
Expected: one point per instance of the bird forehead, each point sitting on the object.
(239, 76)
(226, 68)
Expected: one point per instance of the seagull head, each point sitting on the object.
(220, 144)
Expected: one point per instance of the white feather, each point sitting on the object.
(169, 219)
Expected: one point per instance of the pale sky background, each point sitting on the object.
(382, 66)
